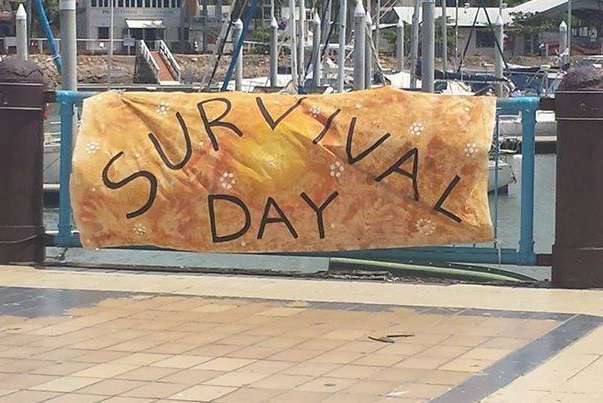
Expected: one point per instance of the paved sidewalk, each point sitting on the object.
(91, 336)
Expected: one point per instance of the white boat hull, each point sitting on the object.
(52, 158)
(505, 176)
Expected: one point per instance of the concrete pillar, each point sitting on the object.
(359, 46)
(428, 46)
(578, 248)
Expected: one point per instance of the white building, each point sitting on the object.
(150, 20)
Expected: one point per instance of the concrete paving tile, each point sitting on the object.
(295, 355)
(147, 373)
(23, 381)
(310, 369)
(237, 379)
(281, 382)
(268, 367)
(139, 359)
(105, 370)
(202, 393)
(76, 398)
(353, 372)
(181, 361)
(380, 360)
(155, 390)
(345, 398)
(110, 387)
(325, 384)
(248, 395)
(121, 399)
(297, 396)
(66, 384)
(191, 376)
(224, 364)
(63, 368)
(28, 396)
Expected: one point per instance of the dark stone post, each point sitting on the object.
(21, 162)
(578, 249)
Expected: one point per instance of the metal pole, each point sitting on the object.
(359, 48)
(110, 54)
(273, 52)
(341, 56)
(444, 37)
(218, 13)
(414, 45)
(68, 45)
(400, 45)
(237, 33)
(368, 52)
(427, 46)
(293, 45)
(21, 27)
(377, 30)
(498, 57)
(205, 15)
(456, 36)
(326, 23)
(562, 43)
(569, 31)
(316, 27)
(302, 40)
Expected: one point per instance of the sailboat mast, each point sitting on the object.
(341, 56)
(293, 43)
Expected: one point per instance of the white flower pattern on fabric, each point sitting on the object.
(315, 111)
(92, 147)
(471, 150)
(140, 229)
(425, 227)
(358, 106)
(416, 128)
(162, 108)
(227, 180)
(120, 92)
(467, 109)
(337, 169)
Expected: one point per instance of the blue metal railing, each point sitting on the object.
(523, 255)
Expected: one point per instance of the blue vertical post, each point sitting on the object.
(526, 240)
(65, 99)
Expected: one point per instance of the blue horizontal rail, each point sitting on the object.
(523, 255)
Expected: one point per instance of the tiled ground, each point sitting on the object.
(70, 345)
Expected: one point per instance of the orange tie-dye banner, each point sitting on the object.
(270, 172)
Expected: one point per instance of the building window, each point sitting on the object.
(93, 3)
(120, 3)
(166, 3)
(484, 39)
(103, 32)
(139, 3)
